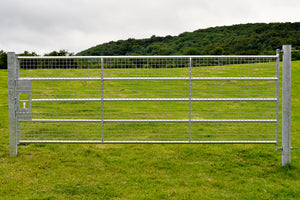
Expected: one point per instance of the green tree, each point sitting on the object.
(61, 52)
(217, 51)
(27, 53)
(60, 63)
(191, 51)
(258, 38)
(137, 50)
(3, 60)
(34, 64)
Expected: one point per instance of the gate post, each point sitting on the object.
(12, 75)
(286, 105)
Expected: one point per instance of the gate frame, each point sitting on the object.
(13, 74)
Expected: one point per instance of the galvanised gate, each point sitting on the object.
(143, 99)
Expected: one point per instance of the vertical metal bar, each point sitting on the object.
(148, 109)
(286, 105)
(18, 124)
(277, 97)
(102, 98)
(12, 75)
(190, 101)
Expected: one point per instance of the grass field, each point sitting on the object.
(148, 171)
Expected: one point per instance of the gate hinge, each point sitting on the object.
(281, 148)
(293, 51)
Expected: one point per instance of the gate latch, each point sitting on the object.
(23, 93)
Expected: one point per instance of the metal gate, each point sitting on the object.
(143, 99)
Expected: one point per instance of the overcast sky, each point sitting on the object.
(75, 25)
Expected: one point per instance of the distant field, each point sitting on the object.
(148, 171)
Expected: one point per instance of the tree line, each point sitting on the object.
(242, 39)
(3, 56)
(247, 39)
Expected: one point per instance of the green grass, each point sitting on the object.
(147, 171)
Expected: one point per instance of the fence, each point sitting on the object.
(143, 99)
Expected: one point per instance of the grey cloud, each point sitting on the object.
(46, 25)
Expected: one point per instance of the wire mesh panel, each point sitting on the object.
(148, 99)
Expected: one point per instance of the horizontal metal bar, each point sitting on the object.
(149, 142)
(154, 99)
(69, 100)
(192, 78)
(157, 120)
(141, 57)
(61, 79)
(148, 78)
(193, 120)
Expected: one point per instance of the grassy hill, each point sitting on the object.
(148, 171)
(240, 39)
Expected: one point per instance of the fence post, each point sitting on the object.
(12, 74)
(286, 105)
